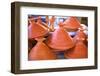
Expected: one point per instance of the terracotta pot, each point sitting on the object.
(79, 51)
(46, 25)
(80, 35)
(71, 24)
(60, 39)
(85, 28)
(41, 52)
(36, 29)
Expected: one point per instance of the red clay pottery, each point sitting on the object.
(60, 39)
(40, 22)
(79, 51)
(85, 28)
(41, 52)
(36, 29)
(71, 24)
(80, 35)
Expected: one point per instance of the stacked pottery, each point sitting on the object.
(71, 24)
(80, 49)
(45, 24)
(36, 29)
(41, 51)
(48, 43)
(80, 35)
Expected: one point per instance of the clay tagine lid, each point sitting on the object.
(36, 29)
(60, 39)
(41, 52)
(71, 24)
(79, 51)
(80, 35)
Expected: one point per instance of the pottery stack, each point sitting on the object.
(48, 43)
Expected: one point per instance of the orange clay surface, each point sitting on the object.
(71, 23)
(79, 51)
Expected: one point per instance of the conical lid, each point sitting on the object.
(71, 24)
(40, 22)
(36, 29)
(79, 51)
(41, 52)
(80, 35)
(60, 39)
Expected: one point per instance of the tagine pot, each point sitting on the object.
(71, 24)
(78, 51)
(41, 52)
(80, 35)
(60, 39)
(36, 29)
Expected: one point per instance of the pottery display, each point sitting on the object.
(52, 37)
